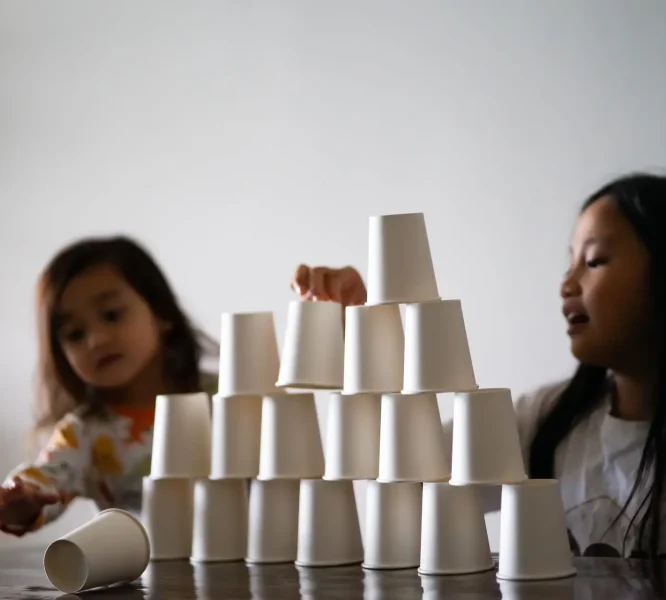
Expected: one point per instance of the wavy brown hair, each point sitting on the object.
(59, 389)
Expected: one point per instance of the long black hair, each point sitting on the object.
(641, 198)
(59, 388)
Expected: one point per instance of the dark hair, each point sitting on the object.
(59, 389)
(641, 198)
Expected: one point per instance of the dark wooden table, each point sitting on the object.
(22, 577)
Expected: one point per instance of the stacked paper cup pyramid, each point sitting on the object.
(384, 427)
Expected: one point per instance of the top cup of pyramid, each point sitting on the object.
(400, 268)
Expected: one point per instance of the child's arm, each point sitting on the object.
(58, 474)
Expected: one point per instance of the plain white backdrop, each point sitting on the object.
(238, 139)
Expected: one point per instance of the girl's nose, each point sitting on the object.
(570, 286)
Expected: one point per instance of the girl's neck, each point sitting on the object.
(632, 396)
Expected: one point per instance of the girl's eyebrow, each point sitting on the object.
(593, 241)
(106, 295)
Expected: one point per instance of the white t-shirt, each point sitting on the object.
(596, 465)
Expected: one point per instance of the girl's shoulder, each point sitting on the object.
(533, 406)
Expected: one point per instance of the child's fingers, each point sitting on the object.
(300, 283)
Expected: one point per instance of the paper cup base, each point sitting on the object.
(541, 577)
(300, 385)
(460, 572)
(200, 561)
(440, 391)
(462, 483)
(368, 567)
(323, 565)
(383, 480)
(268, 561)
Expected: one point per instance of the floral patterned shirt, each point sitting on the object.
(103, 458)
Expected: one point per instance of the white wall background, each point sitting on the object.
(237, 139)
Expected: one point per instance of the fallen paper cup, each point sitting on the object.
(329, 533)
(291, 445)
(182, 436)
(166, 513)
(533, 534)
(236, 437)
(220, 520)
(412, 444)
(486, 445)
(110, 549)
(400, 268)
(454, 540)
(437, 355)
(273, 522)
(312, 356)
(352, 436)
(374, 349)
(393, 526)
(249, 359)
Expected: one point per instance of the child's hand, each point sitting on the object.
(324, 284)
(21, 504)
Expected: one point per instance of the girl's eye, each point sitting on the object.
(113, 316)
(75, 335)
(596, 262)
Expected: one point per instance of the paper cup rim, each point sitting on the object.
(543, 482)
(388, 567)
(198, 560)
(320, 564)
(407, 301)
(440, 391)
(268, 561)
(452, 572)
(384, 480)
(348, 393)
(305, 385)
(487, 483)
(538, 576)
(81, 583)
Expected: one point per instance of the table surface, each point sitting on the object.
(22, 577)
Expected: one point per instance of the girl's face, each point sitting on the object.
(107, 331)
(606, 290)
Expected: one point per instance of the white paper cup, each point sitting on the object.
(412, 446)
(374, 349)
(352, 436)
(454, 540)
(533, 534)
(392, 525)
(181, 436)
(167, 513)
(249, 359)
(400, 268)
(329, 533)
(437, 356)
(236, 437)
(273, 521)
(291, 445)
(313, 351)
(220, 520)
(112, 548)
(486, 446)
